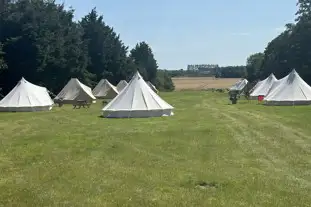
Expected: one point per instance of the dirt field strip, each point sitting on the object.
(201, 83)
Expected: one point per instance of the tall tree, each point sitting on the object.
(253, 66)
(43, 44)
(143, 57)
(304, 10)
(107, 53)
(291, 49)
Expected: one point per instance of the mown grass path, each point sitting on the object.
(247, 154)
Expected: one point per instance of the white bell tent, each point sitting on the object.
(263, 87)
(121, 85)
(275, 85)
(73, 91)
(290, 90)
(152, 87)
(257, 85)
(26, 97)
(104, 89)
(137, 100)
(239, 86)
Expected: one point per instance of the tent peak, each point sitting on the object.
(122, 84)
(293, 72)
(137, 74)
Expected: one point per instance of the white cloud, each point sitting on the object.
(240, 33)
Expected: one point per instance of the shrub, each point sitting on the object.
(164, 81)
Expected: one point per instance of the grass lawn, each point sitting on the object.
(247, 154)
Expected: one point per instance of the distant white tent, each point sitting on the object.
(73, 91)
(152, 87)
(121, 85)
(239, 86)
(263, 87)
(26, 96)
(104, 89)
(137, 100)
(290, 90)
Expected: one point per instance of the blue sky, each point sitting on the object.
(183, 32)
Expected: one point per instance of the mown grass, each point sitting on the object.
(248, 154)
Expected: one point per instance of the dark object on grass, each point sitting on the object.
(203, 184)
(105, 102)
(79, 103)
(247, 94)
(59, 102)
(233, 96)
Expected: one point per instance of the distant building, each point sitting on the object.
(206, 69)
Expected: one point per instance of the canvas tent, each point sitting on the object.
(121, 85)
(137, 100)
(275, 85)
(152, 87)
(255, 86)
(73, 91)
(239, 86)
(290, 90)
(104, 89)
(263, 87)
(26, 96)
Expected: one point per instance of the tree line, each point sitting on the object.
(218, 72)
(40, 41)
(289, 50)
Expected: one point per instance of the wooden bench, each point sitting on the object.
(80, 103)
(60, 102)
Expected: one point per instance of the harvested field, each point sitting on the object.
(201, 83)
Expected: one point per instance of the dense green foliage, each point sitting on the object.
(163, 81)
(143, 57)
(289, 50)
(253, 66)
(40, 41)
(2, 63)
(231, 72)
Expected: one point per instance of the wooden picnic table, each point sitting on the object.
(59, 102)
(80, 103)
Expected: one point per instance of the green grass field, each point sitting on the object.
(247, 154)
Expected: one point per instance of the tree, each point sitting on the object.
(144, 59)
(164, 81)
(3, 4)
(43, 44)
(291, 50)
(2, 62)
(304, 10)
(253, 66)
(231, 72)
(107, 53)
